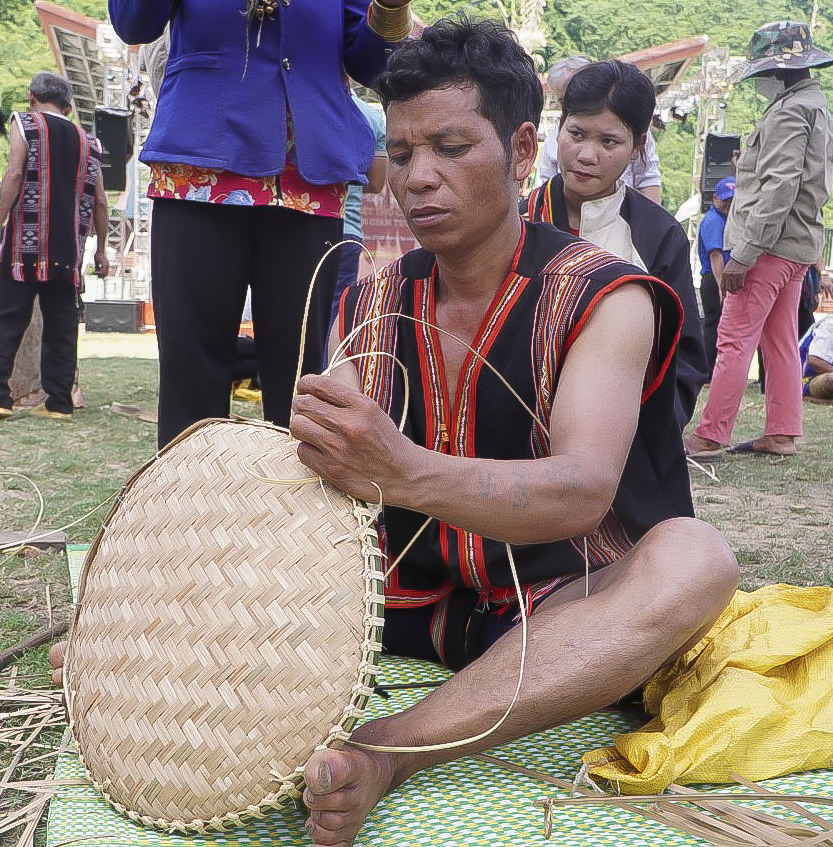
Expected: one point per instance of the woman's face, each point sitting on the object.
(593, 151)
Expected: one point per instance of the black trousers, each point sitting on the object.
(712, 309)
(203, 258)
(59, 345)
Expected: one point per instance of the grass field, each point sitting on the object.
(775, 512)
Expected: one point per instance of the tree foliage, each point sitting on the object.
(25, 51)
(599, 28)
(606, 28)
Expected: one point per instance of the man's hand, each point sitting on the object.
(826, 284)
(102, 266)
(734, 276)
(349, 441)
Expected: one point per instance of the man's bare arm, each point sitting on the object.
(15, 172)
(377, 174)
(716, 261)
(351, 442)
(819, 365)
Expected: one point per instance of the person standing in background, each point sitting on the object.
(713, 259)
(53, 194)
(253, 142)
(642, 173)
(350, 252)
(774, 232)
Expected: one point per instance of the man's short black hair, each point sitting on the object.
(460, 52)
(53, 89)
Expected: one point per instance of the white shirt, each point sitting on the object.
(641, 173)
(822, 344)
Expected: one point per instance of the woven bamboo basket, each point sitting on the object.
(228, 624)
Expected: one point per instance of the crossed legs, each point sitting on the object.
(582, 654)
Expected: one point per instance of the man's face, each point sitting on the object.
(723, 206)
(448, 170)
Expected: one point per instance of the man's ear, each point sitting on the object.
(524, 150)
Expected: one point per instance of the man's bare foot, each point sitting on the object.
(343, 786)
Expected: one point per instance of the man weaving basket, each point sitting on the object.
(596, 478)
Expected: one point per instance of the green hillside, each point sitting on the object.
(599, 28)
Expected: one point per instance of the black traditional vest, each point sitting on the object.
(554, 284)
(44, 237)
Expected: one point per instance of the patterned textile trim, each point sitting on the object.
(208, 185)
(606, 544)
(383, 297)
(88, 168)
(459, 431)
(405, 598)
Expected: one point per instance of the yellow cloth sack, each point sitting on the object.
(753, 697)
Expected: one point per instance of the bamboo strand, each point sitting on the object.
(27, 837)
(816, 819)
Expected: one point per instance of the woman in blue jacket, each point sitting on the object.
(253, 142)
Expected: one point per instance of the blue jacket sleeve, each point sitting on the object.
(139, 21)
(365, 53)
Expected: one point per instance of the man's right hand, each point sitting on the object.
(349, 441)
(734, 276)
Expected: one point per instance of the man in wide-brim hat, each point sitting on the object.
(782, 45)
(774, 232)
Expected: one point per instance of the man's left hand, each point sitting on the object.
(734, 276)
(348, 440)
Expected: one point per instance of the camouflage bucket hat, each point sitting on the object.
(783, 44)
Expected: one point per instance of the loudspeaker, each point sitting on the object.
(114, 316)
(112, 128)
(717, 164)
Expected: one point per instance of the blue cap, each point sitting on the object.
(725, 188)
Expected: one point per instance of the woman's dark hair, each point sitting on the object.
(616, 86)
(486, 55)
(2, 123)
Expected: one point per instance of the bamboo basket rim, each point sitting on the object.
(291, 785)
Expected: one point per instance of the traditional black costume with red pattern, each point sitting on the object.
(552, 288)
(42, 249)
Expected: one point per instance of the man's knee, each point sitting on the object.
(693, 569)
(821, 387)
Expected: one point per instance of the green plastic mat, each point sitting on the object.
(467, 802)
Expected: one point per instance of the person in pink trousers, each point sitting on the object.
(774, 231)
